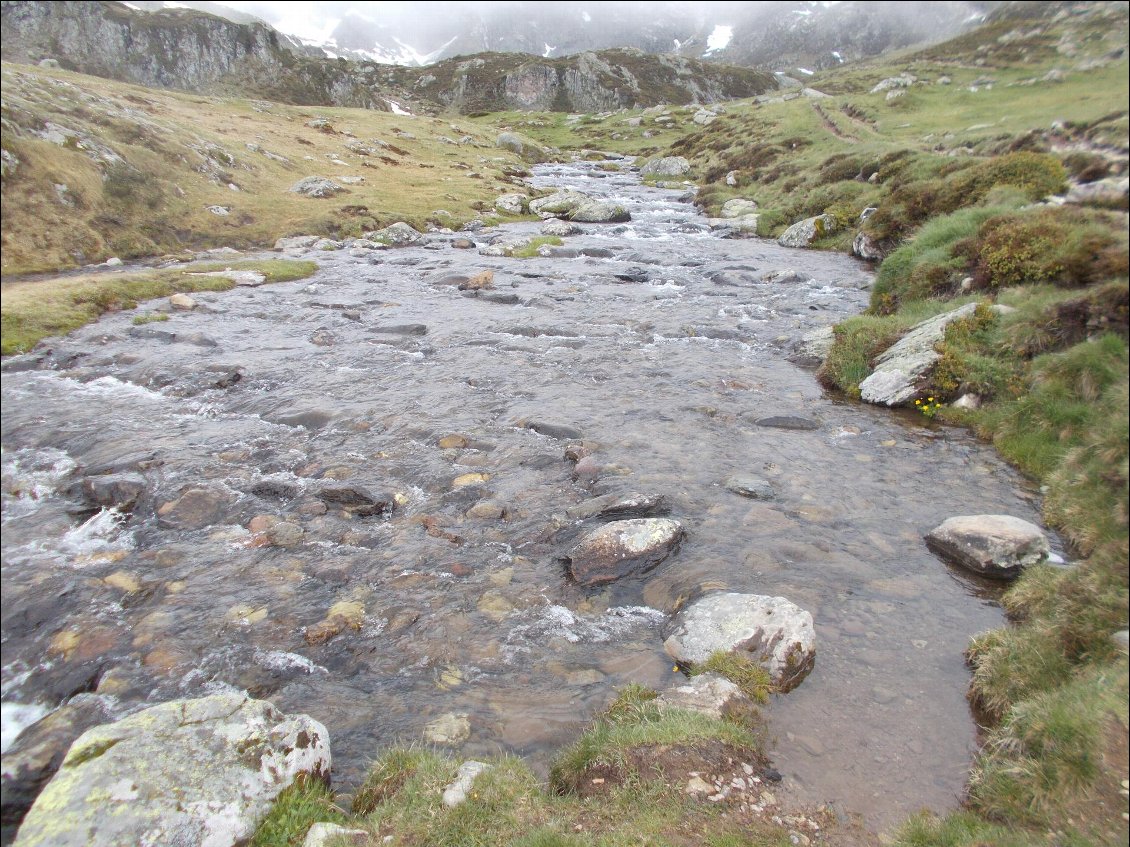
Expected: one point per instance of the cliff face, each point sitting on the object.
(193, 51)
(169, 49)
(589, 82)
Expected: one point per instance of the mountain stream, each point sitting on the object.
(656, 343)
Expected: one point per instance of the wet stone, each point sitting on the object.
(623, 547)
(195, 509)
(788, 422)
(357, 499)
(752, 487)
(114, 491)
(996, 546)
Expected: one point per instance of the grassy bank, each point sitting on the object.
(623, 782)
(36, 309)
(951, 147)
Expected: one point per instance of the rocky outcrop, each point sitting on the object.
(996, 546)
(316, 186)
(623, 547)
(897, 371)
(775, 633)
(187, 772)
(512, 204)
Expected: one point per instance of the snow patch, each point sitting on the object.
(719, 38)
(806, 71)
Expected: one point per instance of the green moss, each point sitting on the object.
(531, 249)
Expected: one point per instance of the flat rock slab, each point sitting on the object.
(623, 547)
(776, 634)
(200, 771)
(996, 546)
(788, 422)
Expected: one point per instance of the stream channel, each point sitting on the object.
(656, 343)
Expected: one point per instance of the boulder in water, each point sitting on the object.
(996, 546)
(200, 771)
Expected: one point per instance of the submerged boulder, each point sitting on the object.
(623, 547)
(776, 634)
(200, 771)
(996, 546)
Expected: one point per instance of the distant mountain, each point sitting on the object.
(195, 51)
(777, 35)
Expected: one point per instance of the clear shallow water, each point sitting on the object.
(663, 376)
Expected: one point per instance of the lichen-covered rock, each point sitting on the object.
(527, 150)
(996, 546)
(37, 753)
(398, 234)
(599, 212)
(623, 547)
(560, 228)
(814, 347)
(803, 233)
(187, 772)
(709, 694)
(295, 242)
(666, 166)
(864, 246)
(465, 777)
(898, 370)
(776, 634)
(316, 186)
(560, 204)
(512, 204)
(737, 207)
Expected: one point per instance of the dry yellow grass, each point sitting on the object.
(181, 153)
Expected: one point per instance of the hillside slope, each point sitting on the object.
(95, 168)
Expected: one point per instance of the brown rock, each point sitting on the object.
(479, 282)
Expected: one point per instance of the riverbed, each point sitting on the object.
(654, 351)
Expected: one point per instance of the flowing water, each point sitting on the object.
(659, 346)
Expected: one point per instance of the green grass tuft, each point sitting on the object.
(750, 677)
(306, 802)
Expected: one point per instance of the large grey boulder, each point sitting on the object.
(996, 546)
(511, 204)
(37, 753)
(775, 633)
(559, 204)
(316, 186)
(864, 246)
(398, 234)
(560, 228)
(897, 371)
(599, 212)
(186, 772)
(737, 207)
(575, 206)
(803, 233)
(623, 547)
(666, 166)
(529, 151)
